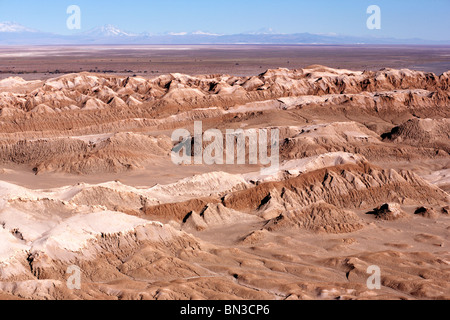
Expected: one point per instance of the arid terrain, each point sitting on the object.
(87, 179)
(45, 62)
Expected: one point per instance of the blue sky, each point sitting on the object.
(400, 18)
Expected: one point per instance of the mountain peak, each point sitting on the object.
(9, 26)
(203, 33)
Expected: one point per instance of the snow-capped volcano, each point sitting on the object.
(14, 27)
(13, 33)
(108, 31)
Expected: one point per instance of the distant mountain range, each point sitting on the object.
(16, 34)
